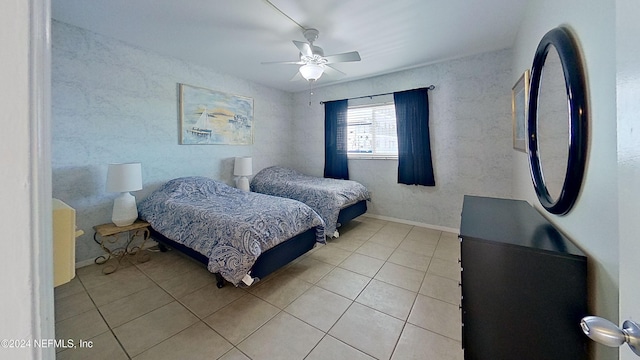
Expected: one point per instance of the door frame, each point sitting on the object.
(40, 164)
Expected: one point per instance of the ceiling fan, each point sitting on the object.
(313, 61)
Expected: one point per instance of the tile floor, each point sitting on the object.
(382, 290)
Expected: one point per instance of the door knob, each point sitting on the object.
(607, 333)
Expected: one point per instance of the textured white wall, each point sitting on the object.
(471, 137)
(593, 222)
(117, 103)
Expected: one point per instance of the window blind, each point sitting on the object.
(371, 130)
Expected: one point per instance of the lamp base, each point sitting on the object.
(242, 183)
(125, 210)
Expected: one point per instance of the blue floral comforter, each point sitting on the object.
(231, 227)
(326, 196)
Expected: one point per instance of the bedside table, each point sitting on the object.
(118, 242)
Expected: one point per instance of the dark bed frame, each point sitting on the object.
(274, 258)
(351, 212)
(269, 261)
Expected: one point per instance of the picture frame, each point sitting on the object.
(209, 117)
(519, 109)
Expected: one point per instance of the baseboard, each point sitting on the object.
(414, 223)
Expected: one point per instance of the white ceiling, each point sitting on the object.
(235, 36)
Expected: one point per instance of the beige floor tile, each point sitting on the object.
(441, 288)
(73, 305)
(425, 235)
(368, 330)
(331, 348)
(71, 288)
(234, 354)
(437, 316)
(209, 299)
(283, 337)
(238, 320)
(344, 282)
(150, 329)
(91, 276)
(417, 344)
(318, 307)
(375, 250)
(396, 229)
(389, 299)
(163, 270)
(361, 227)
(350, 242)
(330, 254)
(83, 326)
(188, 282)
(418, 246)
(362, 264)
(401, 276)
(388, 239)
(308, 269)
(123, 283)
(102, 347)
(410, 259)
(448, 250)
(130, 299)
(280, 290)
(195, 342)
(372, 222)
(135, 305)
(444, 268)
(450, 237)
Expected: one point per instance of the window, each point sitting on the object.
(371, 131)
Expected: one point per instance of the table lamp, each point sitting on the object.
(242, 168)
(123, 178)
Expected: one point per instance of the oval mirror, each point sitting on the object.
(557, 121)
(553, 124)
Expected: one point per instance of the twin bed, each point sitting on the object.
(336, 201)
(242, 236)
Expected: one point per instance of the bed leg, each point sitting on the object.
(219, 280)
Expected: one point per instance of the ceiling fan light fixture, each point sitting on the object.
(311, 72)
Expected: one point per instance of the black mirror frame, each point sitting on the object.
(562, 39)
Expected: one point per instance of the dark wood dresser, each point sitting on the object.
(524, 284)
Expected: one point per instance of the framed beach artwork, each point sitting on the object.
(209, 117)
(519, 106)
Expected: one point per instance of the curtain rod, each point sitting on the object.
(430, 87)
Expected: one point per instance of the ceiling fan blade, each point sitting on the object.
(297, 77)
(304, 48)
(344, 57)
(333, 72)
(295, 62)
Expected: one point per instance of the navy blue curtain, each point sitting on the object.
(335, 140)
(414, 148)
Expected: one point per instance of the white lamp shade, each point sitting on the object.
(124, 177)
(243, 166)
(311, 71)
